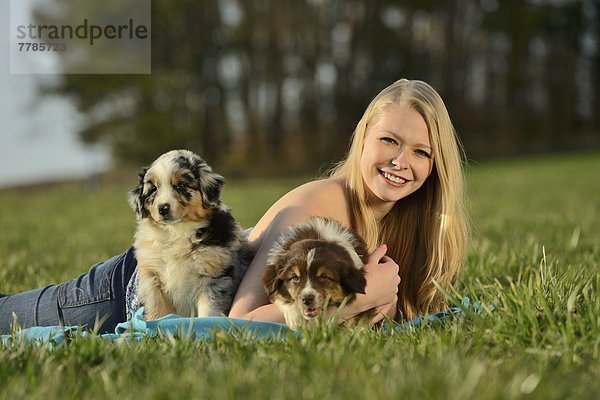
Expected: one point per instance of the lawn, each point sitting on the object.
(534, 258)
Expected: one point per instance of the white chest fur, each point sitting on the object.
(179, 268)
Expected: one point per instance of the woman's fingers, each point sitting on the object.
(381, 273)
(385, 310)
(381, 292)
(377, 255)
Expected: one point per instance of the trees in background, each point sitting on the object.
(260, 86)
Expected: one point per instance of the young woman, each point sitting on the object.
(400, 187)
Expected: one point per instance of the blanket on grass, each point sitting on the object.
(202, 328)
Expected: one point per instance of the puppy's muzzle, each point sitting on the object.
(164, 210)
(308, 299)
(309, 308)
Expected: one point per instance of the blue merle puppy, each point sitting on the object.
(191, 252)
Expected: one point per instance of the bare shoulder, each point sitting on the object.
(321, 194)
(325, 197)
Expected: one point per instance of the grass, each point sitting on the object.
(534, 257)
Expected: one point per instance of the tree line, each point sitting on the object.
(277, 86)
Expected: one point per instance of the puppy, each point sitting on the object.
(191, 252)
(313, 266)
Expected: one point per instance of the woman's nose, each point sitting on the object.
(401, 160)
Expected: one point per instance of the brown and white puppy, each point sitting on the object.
(191, 253)
(315, 265)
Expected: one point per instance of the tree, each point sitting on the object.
(280, 85)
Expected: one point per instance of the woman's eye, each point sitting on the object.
(423, 153)
(388, 140)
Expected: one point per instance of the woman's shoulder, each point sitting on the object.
(324, 197)
(322, 192)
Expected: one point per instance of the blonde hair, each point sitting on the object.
(426, 232)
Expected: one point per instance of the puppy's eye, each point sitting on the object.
(151, 190)
(294, 279)
(324, 278)
(181, 187)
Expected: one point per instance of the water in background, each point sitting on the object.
(38, 140)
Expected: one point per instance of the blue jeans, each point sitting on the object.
(95, 300)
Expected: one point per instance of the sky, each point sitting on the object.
(38, 135)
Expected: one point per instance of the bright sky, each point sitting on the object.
(38, 138)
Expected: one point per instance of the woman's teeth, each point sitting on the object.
(394, 178)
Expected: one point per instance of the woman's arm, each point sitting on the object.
(381, 273)
(324, 198)
(251, 301)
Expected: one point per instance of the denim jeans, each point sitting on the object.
(95, 300)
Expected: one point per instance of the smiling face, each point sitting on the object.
(397, 156)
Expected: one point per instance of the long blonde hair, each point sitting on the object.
(426, 232)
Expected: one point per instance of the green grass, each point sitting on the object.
(534, 257)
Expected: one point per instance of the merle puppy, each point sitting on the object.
(191, 252)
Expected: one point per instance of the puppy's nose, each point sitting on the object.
(164, 209)
(308, 299)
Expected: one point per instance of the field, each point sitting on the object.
(534, 258)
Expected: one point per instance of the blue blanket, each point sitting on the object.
(201, 328)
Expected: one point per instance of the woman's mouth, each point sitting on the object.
(393, 179)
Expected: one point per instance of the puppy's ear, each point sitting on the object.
(273, 281)
(353, 280)
(212, 184)
(135, 197)
(277, 259)
(360, 247)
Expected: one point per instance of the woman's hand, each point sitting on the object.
(381, 292)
